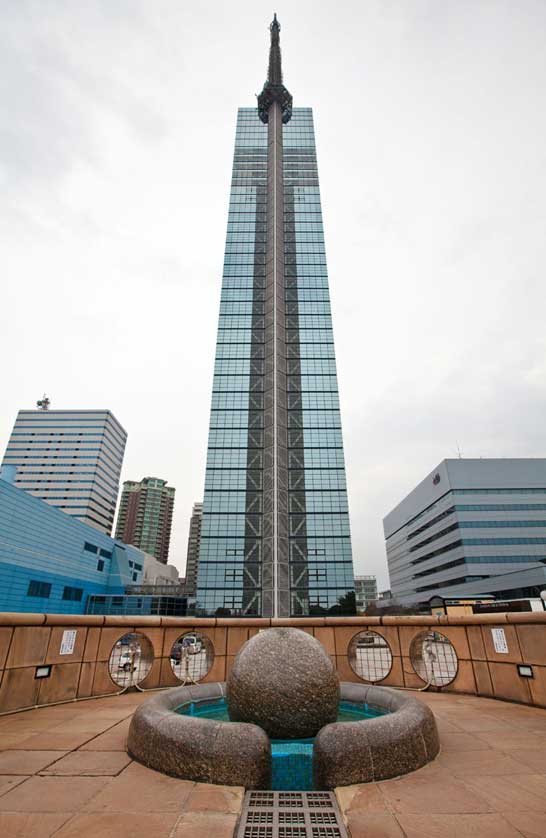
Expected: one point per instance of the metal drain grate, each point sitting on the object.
(290, 814)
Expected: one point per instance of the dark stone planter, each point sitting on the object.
(404, 739)
(203, 750)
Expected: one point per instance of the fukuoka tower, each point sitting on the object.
(275, 537)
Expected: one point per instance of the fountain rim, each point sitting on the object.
(239, 753)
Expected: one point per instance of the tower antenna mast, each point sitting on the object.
(44, 403)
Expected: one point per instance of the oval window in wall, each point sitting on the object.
(433, 658)
(192, 656)
(131, 659)
(370, 656)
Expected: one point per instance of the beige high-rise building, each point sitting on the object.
(194, 542)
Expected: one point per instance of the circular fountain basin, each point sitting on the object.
(183, 732)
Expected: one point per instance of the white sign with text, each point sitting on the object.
(499, 641)
(68, 642)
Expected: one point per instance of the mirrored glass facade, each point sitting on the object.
(275, 537)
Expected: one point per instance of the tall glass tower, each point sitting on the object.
(275, 539)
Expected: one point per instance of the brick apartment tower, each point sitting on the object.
(145, 516)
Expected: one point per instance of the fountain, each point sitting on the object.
(283, 718)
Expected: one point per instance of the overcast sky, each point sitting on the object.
(116, 142)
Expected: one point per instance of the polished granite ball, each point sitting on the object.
(283, 680)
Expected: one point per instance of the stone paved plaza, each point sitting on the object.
(64, 772)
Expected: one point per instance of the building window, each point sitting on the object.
(135, 577)
(72, 594)
(107, 554)
(90, 547)
(41, 589)
(100, 564)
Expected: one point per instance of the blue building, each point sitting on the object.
(51, 562)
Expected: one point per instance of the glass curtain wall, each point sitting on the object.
(230, 563)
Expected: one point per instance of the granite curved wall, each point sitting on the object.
(28, 641)
(402, 739)
(199, 749)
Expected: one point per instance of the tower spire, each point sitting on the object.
(274, 75)
(274, 90)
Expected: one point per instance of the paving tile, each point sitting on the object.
(51, 794)
(115, 714)
(530, 824)
(22, 722)
(114, 739)
(89, 764)
(26, 762)
(139, 789)
(535, 759)
(513, 739)
(205, 825)
(457, 826)
(207, 798)
(8, 782)
(509, 708)
(373, 825)
(88, 724)
(477, 723)
(518, 793)
(446, 726)
(434, 796)
(489, 762)
(433, 771)
(25, 825)
(364, 798)
(111, 825)
(464, 741)
(530, 724)
(14, 740)
(49, 741)
(59, 711)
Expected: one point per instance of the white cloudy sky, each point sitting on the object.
(116, 139)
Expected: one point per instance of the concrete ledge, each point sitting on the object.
(192, 748)
(24, 619)
(74, 619)
(404, 739)
(9, 618)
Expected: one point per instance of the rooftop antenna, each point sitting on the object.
(44, 403)
(459, 452)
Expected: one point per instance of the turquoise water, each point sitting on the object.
(292, 759)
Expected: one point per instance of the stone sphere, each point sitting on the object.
(283, 681)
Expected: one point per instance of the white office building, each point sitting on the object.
(365, 592)
(470, 527)
(71, 459)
